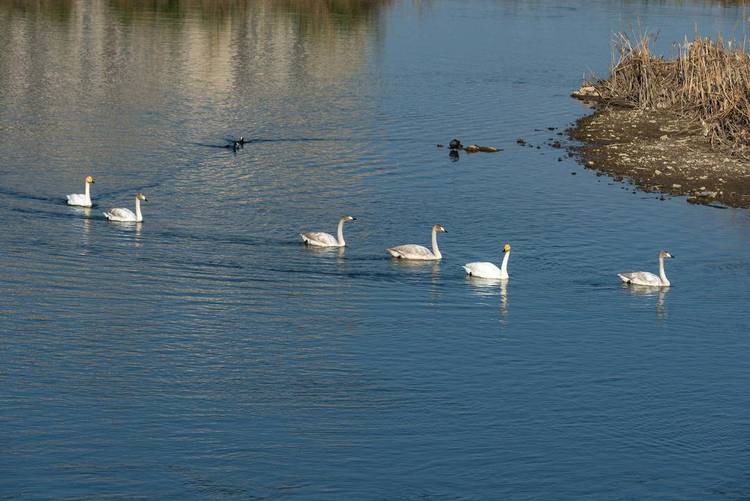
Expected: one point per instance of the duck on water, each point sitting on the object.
(455, 145)
(237, 143)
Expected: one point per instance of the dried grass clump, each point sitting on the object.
(708, 83)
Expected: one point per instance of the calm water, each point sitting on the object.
(206, 353)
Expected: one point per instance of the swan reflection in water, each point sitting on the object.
(659, 293)
(417, 267)
(325, 251)
(128, 228)
(84, 222)
(339, 252)
(138, 242)
(489, 287)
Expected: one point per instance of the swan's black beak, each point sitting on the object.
(354, 219)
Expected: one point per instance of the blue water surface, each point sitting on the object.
(207, 353)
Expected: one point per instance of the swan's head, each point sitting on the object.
(439, 227)
(90, 179)
(348, 218)
(664, 254)
(506, 248)
(141, 196)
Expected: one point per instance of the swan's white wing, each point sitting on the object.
(411, 251)
(640, 278)
(79, 199)
(319, 239)
(483, 270)
(120, 214)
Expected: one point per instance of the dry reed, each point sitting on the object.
(708, 83)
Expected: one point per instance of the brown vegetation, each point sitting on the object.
(676, 126)
(708, 84)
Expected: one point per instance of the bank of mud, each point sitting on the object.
(658, 152)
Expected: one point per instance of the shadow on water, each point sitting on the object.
(231, 141)
(207, 145)
(47, 213)
(29, 196)
(19, 195)
(294, 140)
(234, 148)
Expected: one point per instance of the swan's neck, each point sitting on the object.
(87, 189)
(340, 234)
(504, 266)
(435, 249)
(662, 275)
(138, 215)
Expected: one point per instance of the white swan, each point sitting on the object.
(127, 215)
(320, 239)
(82, 199)
(489, 270)
(412, 251)
(646, 278)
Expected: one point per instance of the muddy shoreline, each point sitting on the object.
(659, 152)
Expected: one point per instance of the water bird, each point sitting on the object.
(418, 252)
(126, 215)
(646, 278)
(489, 270)
(82, 199)
(455, 144)
(320, 239)
(236, 144)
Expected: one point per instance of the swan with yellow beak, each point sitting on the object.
(82, 199)
(489, 270)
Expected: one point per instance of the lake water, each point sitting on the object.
(207, 353)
